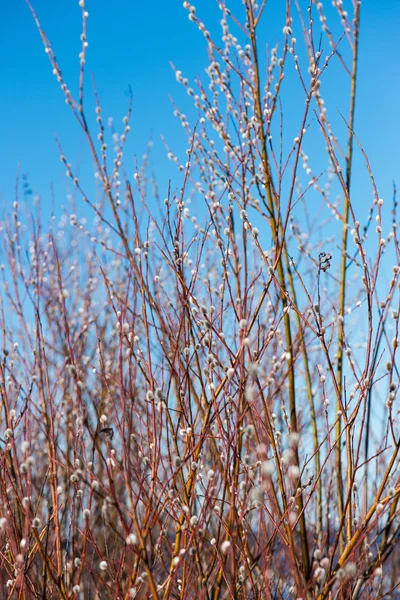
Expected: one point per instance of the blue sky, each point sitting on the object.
(132, 43)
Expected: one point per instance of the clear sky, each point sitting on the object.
(132, 42)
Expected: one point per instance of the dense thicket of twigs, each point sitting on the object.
(198, 393)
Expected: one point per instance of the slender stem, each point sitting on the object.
(342, 290)
(275, 223)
